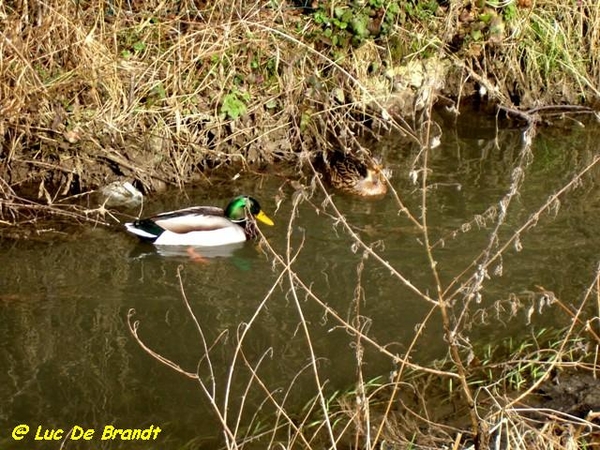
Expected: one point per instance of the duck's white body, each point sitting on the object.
(205, 238)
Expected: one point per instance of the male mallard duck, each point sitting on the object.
(353, 176)
(205, 226)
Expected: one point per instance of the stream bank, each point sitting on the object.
(161, 93)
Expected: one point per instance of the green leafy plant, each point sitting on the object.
(353, 24)
(421, 10)
(234, 104)
(139, 46)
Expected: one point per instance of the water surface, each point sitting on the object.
(69, 358)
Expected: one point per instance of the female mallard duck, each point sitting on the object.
(205, 226)
(353, 176)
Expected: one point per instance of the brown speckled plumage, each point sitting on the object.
(347, 173)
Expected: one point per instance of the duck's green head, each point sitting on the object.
(237, 210)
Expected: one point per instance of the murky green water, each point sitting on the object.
(69, 359)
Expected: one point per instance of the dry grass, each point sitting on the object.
(159, 93)
(547, 54)
(142, 89)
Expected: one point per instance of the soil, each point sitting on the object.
(573, 393)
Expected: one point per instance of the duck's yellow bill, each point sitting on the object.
(264, 218)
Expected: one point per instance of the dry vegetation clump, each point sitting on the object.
(156, 92)
(153, 93)
(159, 93)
